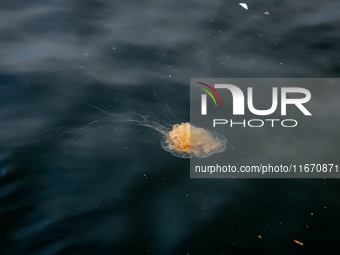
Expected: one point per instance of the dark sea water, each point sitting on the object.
(77, 176)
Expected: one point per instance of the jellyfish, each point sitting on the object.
(187, 141)
(182, 140)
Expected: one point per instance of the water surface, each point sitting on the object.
(74, 180)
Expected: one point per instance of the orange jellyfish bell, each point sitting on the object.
(187, 141)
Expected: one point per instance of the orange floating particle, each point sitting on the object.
(259, 236)
(266, 12)
(330, 81)
(299, 243)
(311, 214)
(125, 148)
(86, 54)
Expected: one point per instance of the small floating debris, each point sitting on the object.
(266, 12)
(331, 81)
(244, 5)
(299, 243)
